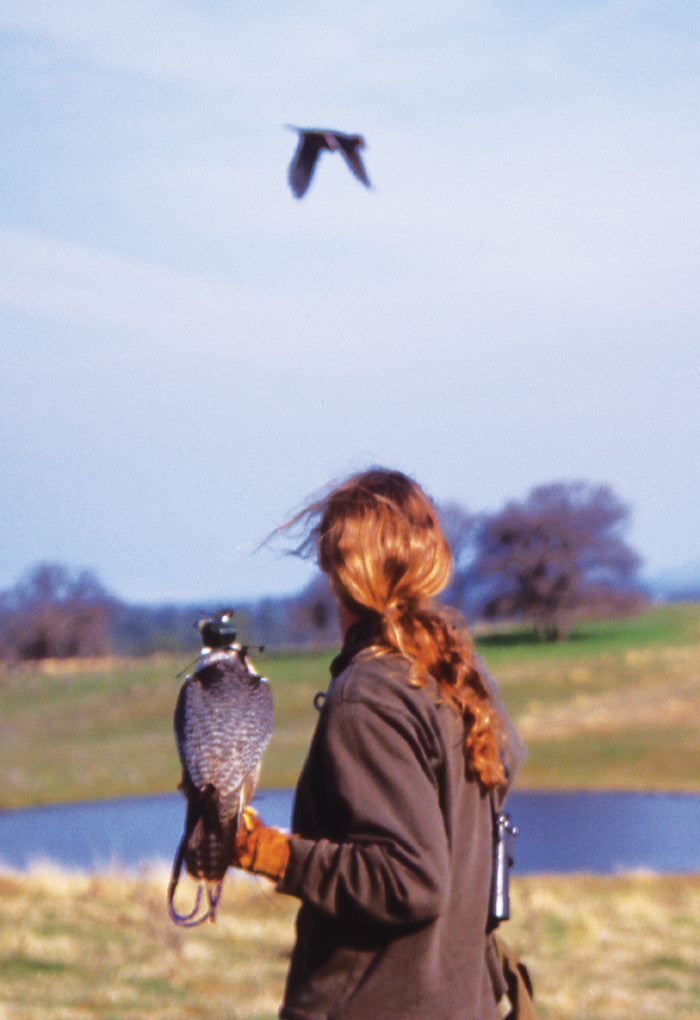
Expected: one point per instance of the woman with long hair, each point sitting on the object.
(392, 829)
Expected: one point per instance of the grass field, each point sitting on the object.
(101, 947)
(614, 707)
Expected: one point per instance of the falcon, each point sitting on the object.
(223, 724)
(312, 141)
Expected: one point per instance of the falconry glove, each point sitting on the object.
(259, 848)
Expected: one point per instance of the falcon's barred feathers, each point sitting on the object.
(223, 724)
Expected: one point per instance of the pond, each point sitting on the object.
(603, 833)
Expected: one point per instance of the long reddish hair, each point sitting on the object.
(379, 540)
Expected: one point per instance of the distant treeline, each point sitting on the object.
(308, 619)
(56, 613)
(551, 559)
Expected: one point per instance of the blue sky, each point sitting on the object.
(187, 352)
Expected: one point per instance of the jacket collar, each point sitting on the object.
(364, 632)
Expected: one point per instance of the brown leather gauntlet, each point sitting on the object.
(260, 849)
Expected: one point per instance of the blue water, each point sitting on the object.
(602, 833)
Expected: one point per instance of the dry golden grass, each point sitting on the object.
(76, 946)
(601, 948)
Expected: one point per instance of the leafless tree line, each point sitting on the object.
(555, 557)
(54, 613)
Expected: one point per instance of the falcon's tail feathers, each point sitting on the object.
(196, 915)
(204, 849)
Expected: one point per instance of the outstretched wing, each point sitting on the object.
(349, 146)
(303, 163)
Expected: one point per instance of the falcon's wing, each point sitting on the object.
(303, 163)
(223, 723)
(350, 145)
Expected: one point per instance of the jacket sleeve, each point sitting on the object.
(391, 866)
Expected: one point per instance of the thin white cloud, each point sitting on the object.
(74, 283)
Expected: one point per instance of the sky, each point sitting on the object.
(188, 353)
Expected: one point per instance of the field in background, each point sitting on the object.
(102, 947)
(614, 707)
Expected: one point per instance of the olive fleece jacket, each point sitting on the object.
(391, 856)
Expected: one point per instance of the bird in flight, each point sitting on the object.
(312, 141)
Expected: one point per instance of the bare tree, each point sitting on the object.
(313, 616)
(557, 556)
(459, 526)
(54, 613)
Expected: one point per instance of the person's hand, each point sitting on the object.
(259, 848)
